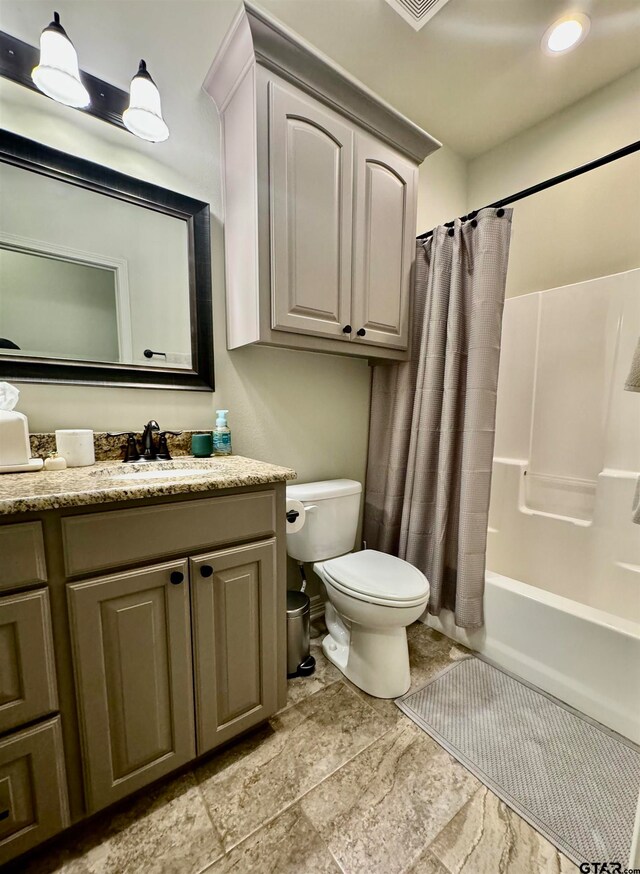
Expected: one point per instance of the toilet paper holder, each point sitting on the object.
(292, 515)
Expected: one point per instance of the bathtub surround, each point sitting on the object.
(632, 383)
(432, 418)
(560, 771)
(567, 452)
(562, 605)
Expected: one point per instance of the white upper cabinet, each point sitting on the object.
(311, 191)
(320, 196)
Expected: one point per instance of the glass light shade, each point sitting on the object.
(57, 75)
(144, 115)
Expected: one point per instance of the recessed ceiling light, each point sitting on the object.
(566, 33)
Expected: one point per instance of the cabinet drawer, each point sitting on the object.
(33, 796)
(27, 670)
(22, 555)
(106, 540)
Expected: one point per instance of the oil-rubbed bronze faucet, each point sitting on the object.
(148, 447)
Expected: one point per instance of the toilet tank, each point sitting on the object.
(331, 521)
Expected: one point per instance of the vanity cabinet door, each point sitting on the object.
(384, 244)
(33, 791)
(132, 659)
(235, 640)
(311, 191)
(27, 666)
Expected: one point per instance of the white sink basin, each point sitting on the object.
(178, 473)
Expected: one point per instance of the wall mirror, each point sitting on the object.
(103, 278)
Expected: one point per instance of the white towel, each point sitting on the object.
(632, 382)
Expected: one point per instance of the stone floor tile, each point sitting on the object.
(255, 779)
(381, 810)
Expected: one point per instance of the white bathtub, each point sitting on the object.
(586, 657)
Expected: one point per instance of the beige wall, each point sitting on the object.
(442, 189)
(301, 409)
(581, 229)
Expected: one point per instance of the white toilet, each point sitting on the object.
(372, 596)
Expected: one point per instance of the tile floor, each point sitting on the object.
(336, 782)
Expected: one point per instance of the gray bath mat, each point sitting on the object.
(573, 780)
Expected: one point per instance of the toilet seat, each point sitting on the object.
(377, 578)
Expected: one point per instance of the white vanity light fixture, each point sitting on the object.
(58, 75)
(144, 115)
(566, 34)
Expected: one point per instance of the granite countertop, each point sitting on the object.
(106, 481)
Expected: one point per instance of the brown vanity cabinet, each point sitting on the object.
(131, 637)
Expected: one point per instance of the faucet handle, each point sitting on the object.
(131, 451)
(162, 451)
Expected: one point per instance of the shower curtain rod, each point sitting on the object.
(549, 183)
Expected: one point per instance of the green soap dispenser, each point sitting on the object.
(222, 434)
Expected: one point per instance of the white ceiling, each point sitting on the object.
(472, 77)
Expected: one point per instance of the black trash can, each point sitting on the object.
(299, 662)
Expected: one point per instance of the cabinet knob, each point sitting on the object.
(176, 577)
(361, 332)
(347, 329)
(206, 570)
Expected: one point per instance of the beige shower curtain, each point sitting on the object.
(433, 418)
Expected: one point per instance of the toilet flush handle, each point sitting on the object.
(310, 508)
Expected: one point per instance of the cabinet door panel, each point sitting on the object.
(22, 550)
(27, 669)
(311, 178)
(33, 796)
(234, 624)
(384, 243)
(131, 639)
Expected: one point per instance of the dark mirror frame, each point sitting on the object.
(33, 156)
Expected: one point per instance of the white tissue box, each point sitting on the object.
(15, 448)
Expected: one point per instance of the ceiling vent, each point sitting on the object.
(417, 12)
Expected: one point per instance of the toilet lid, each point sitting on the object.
(373, 574)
